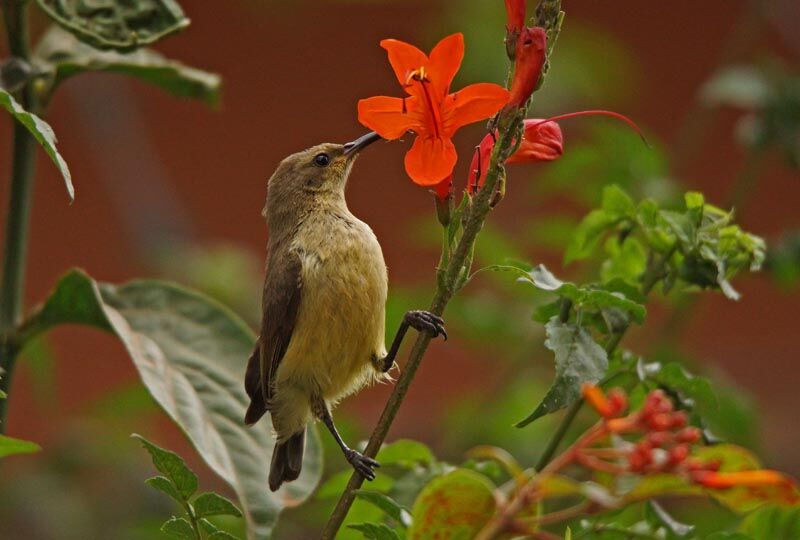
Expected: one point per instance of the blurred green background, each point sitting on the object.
(168, 188)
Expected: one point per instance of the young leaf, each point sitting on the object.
(588, 233)
(172, 466)
(465, 493)
(579, 359)
(10, 446)
(375, 531)
(389, 506)
(179, 528)
(67, 57)
(211, 504)
(190, 353)
(123, 26)
(43, 134)
(164, 485)
(405, 453)
(617, 204)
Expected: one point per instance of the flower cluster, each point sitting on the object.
(665, 444)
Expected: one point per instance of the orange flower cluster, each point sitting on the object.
(665, 444)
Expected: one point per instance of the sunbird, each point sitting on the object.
(324, 307)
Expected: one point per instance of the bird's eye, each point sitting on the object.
(322, 160)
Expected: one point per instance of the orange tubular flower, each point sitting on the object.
(595, 397)
(515, 14)
(430, 110)
(529, 57)
(541, 141)
(725, 480)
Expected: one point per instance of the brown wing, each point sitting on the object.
(282, 289)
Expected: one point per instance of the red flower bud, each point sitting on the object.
(659, 438)
(677, 454)
(515, 14)
(679, 419)
(659, 422)
(689, 435)
(529, 58)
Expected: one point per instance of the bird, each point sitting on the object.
(322, 334)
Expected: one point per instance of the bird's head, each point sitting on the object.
(314, 176)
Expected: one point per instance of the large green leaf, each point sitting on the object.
(579, 359)
(191, 354)
(455, 506)
(67, 57)
(112, 24)
(43, 134)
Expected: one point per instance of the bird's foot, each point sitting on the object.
(425, 321)
(361, 463)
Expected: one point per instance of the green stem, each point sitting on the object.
(19, 206)
(447, 286)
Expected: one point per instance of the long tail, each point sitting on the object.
(287, 460)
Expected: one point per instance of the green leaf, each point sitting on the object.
(164, 485)
(405, 453)
(221, 535)
(578, 358)
(454, 506)
(68, 57)
(43, 134)
(173, 467)
(191, 354)
(658, 515)
(587, 235)
(618, 204)
(772, 523)
(333, 486)
(389, 506)
(123, 26)
(179, 528)
(375, 531)
(10, 446)
(212, 504)
(694, 200)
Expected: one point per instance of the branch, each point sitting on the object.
(19, 205)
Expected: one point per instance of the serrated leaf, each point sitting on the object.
(164, 485)
(172, 466)
(462, 493)
(212, 504)
(388, 505)
(179, 528)
(191, 353)
(578, 358)
(375, 531)
(68, 57)
(10, 446)
(43, 133)
(122, 26)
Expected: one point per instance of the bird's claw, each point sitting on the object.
(362, 464)
(425, 321)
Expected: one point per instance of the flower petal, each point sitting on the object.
(471, 104)
(444, 62)
(541, 141)
(404, 58)
(385, 115)
(430, 159)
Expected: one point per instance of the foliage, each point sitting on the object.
(180, 484)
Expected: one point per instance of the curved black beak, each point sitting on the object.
(354, 147)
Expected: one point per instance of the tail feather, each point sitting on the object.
(287, 460)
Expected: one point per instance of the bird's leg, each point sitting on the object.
(421, 321)
(361, 463)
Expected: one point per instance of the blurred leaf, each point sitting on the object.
(110, 24)
(388, 505)
(658, 515)
(578, 358)
(212, 504)
(737, 86)
(10, 446)
(221, 535)
(333, 486)
(191, 353)
(587, 235)
(375, 531)
(43, 134)
(165, 485)
(772, 523)
(68, 57)
(464, 493)
(405, 453)
(725, 535)
(625, 260)
(173, 467)
(675, 378)
(179, 528)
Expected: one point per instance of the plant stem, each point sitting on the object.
(19, 206)
(447, 286)
(651, 277)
